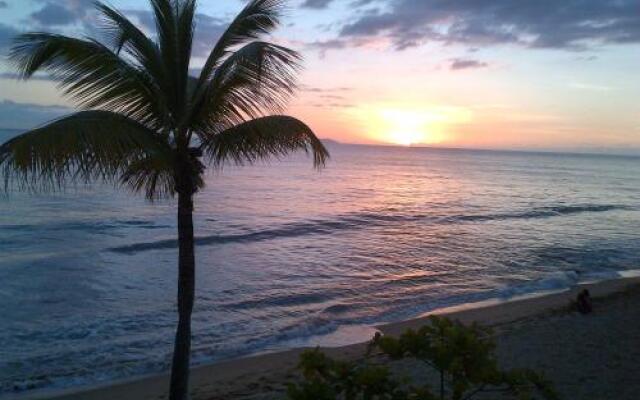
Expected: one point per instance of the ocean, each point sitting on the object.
(288, 256)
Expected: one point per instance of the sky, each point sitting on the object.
(501, 74)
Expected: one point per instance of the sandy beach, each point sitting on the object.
(593, 356)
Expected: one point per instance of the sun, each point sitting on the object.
(407, 124)
(405, 138)
(404, 127)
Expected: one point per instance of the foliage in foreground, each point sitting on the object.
(461, 356)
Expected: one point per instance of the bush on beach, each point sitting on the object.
(461, 356)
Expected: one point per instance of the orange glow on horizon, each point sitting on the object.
(407, 124)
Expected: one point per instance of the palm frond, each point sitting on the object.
(262, 138)
(90, 73)
(185, 31)
(124, 36)
(254, 81)
(154, 175)
(175, 28)
(86, 146)
(165, 19)
(259, 17)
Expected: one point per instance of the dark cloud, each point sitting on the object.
(316, 4)
(322, 46)
(567, 24)
(331, 44)
(3, 4)
(465, 63)
(53, 14)
(27, 115)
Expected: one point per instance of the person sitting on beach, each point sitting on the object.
(584, 302)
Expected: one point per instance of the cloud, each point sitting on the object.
(331, 105)
(58, 15)
(208, 29)
(587, 58)
(324, 46)
(3, 4)
(27, 115)
(62, 12)
(331, 97)
(590, 87)
(37, 76)
(314, 89)
(53, 14)
(316, 4)
(567, 24)
(466, 63)
(7, 33)
(331, 44)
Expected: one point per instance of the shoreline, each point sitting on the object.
(240, 375)
(496, 311)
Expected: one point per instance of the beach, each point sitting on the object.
(585, 356)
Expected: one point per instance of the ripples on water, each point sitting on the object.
(88, 277)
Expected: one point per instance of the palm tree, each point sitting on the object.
(145, 124)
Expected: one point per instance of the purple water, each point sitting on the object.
(284, 254)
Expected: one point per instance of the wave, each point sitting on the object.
(288, 300)
(340, 308)
(95, 227)
(309, 332)
(364, 220)
(540, 212)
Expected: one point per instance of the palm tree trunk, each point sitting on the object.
(186, 287)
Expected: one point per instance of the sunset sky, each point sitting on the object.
(514, 74)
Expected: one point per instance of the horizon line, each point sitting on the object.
(595, 151)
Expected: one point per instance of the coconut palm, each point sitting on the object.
(145, 124)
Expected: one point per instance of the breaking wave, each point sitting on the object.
(364, 220)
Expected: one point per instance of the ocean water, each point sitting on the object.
(285, 254)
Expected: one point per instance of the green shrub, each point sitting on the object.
(462, 356)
